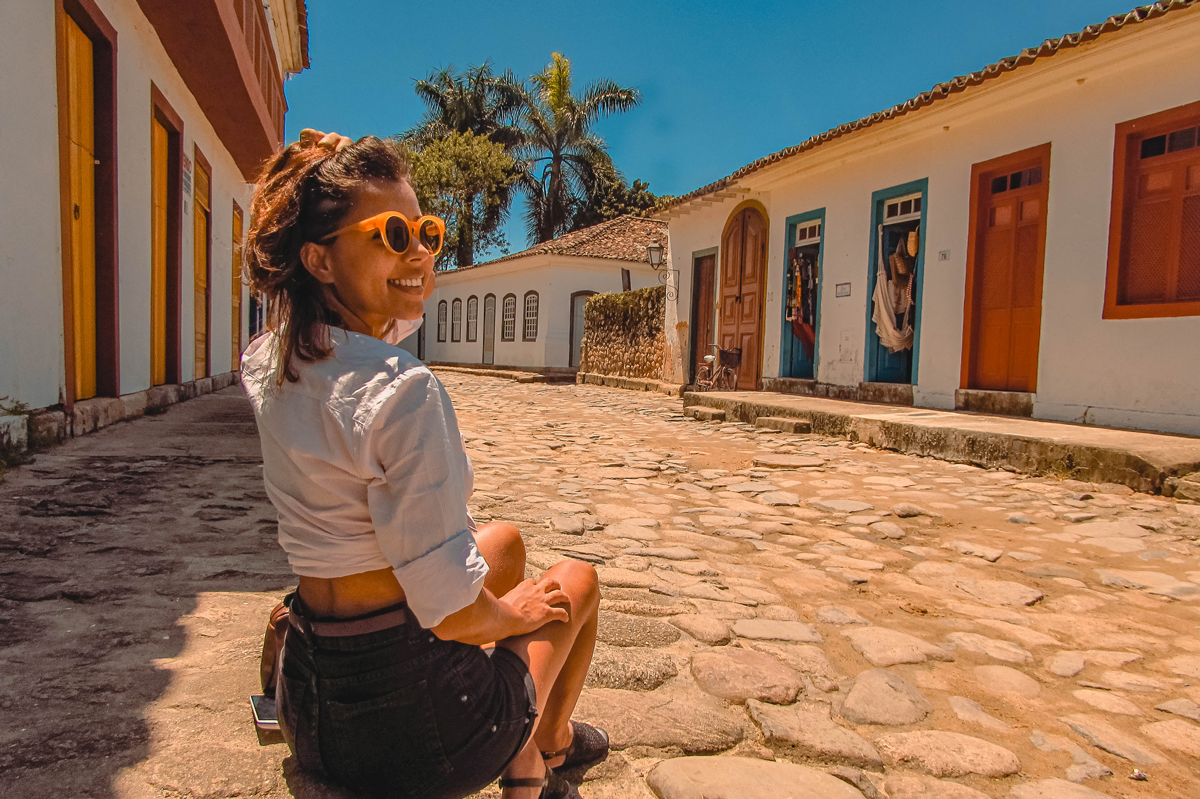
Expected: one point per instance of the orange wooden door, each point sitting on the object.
(743, 269)
(158, 253)
(1007, 292)
(201, 221)
(235, 314)
(81, 141)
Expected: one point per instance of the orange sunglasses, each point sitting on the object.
(398, 233)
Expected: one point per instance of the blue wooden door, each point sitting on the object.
(894, 218)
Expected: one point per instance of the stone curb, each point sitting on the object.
(1031, 454)
(54, 425)
(630, 383)
(505, 374)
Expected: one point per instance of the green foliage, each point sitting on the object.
(474, 103)
(628, 311)
(464, 178)
(616, 198)
(566, 164)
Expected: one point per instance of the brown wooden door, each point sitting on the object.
(743, 269)
(704, 273)
(1007, 285)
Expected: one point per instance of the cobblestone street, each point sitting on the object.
(800, 606)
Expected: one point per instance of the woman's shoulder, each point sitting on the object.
(369, 374)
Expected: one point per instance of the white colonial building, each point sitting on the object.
(1024, 239)
(130, 134)
(526, 310)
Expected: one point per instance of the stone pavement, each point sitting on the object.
(782, 615)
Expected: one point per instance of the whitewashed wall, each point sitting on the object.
(555, 278)
(31, 313)
(1138, 373)
(31, 333)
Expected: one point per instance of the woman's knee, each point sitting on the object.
(501, 545)
(579, 579)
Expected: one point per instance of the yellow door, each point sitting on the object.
(235, 316)
(158, 257)
(200, 245)
(81, 146)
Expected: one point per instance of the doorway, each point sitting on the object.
(166, 241)
(802, 296)
(704, 308)
(1004, 275)
(578, 303)
(743, 279)
(489, 329)
(88, 194)
(202, 264)
(894, 279)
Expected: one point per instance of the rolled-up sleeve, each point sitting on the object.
(417, 493)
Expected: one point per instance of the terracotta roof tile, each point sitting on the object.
(621, 239)
(944, 90)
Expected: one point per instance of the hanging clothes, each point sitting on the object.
(894, 311)
(802, 298)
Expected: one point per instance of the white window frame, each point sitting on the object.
(508, 318)
(472, 318)
(530, 318)
(441, 331)
(456, 320)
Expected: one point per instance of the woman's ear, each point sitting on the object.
(315, 258)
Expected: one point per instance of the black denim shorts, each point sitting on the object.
(400, 712)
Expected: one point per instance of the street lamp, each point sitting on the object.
(655, 253)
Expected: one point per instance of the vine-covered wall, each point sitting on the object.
(623, 334)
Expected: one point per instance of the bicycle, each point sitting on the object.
(719, 371)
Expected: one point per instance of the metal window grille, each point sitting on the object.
(456, 321)
(472, 318)
(442, 320)
(508, 327)
(531, 316)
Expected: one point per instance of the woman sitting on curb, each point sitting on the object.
(386, 685)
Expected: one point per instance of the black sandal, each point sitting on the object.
(553, 785)
(589, 747)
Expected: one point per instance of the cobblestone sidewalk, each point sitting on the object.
(782, 615)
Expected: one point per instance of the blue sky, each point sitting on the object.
(722, 83)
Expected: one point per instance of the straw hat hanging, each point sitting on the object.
(914, 242)
(900, 261)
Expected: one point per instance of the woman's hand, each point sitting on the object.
(328, 141)
(534, 603)
(522, 610)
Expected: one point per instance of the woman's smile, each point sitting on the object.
(411, 285)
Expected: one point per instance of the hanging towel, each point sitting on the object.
(884, 314)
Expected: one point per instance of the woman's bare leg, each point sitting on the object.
(558, 656)
(501, 546)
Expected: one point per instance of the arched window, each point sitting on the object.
(472, 317)
(508, 325)
(456, 320)
(529, 333)
(442, 320)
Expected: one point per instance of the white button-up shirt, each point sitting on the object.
(364, 463)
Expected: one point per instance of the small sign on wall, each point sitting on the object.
(841, 290)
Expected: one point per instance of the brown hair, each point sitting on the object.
(303, 195)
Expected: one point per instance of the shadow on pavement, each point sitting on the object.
(136, 566)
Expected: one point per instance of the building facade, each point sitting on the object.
(526, 310)
(1025, 239)
(131, 132)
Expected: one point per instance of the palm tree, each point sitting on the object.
(565, 162)
(476, 101)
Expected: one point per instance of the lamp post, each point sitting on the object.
(655, 253)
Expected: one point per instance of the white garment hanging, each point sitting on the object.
(884, 314)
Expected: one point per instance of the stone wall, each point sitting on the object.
(624, 334)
